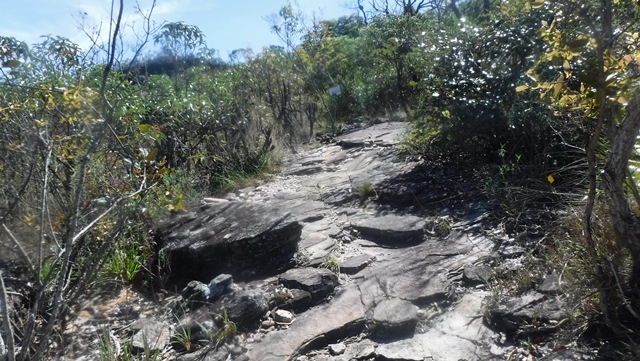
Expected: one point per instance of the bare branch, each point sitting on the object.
(108, 118)
(92, 224)
(45, 184)
(22, 252)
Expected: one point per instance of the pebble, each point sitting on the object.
(283, 316)
(337, 348)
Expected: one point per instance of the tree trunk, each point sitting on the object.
(455, 9)
(625, 222)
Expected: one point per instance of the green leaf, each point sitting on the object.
(144, 127)
(153, 154)
(578, 43)
(11, 63)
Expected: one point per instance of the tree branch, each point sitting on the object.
(22, 252)
(6, 321)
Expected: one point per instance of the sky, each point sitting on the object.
(227, 24)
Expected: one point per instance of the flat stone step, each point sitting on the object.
(391, 227)
(355, 264)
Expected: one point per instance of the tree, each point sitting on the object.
(61, 187)
(594, 48)
(183, 43)
(179, 39)
(287, 25)
(11, 51)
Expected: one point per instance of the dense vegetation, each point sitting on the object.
(539, 99)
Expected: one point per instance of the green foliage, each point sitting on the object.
(469, 106)
(365, 190)
(287, 25)
(182, 338)
(332, 263)
(126, 261)
(106, 348)
(11, 51)
(229, 328)
(180, 39)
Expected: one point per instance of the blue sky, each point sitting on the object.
(227, 24)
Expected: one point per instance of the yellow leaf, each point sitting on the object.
(537, 4)
(522, 88)
(625, 61)
(622, 100)
(558, 87)
(551, 179)
(30, 220)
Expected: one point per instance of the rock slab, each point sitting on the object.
(391, 227)
(342, 317)
(227, 237)
(355, 264)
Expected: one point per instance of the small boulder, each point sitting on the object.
(299, 301)
(319, 282)
(395, 317)
(474, 275)
(337, 348)
(243, 306)
(551, 284)
(196, 291)
(283, 316)
(152, 334)
(219, 285)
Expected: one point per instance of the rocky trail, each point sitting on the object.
(353, 253)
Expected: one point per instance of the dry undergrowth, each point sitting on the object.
(564, 251)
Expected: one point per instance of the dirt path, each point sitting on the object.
(402, 296)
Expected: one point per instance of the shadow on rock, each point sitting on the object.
(239, 238)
